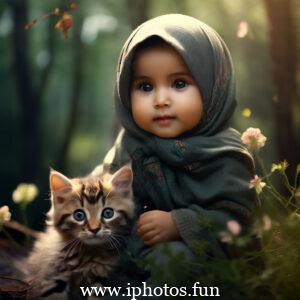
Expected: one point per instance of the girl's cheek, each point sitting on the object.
(141, 118)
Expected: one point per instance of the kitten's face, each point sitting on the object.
(95, 210)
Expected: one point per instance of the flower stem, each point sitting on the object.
(279, 198)
(287, 184)
(290, 203)
(23, 214)
(266, 175)
(25, 221)
(259, 201)
(296, 177)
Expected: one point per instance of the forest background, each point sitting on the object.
(56, 94)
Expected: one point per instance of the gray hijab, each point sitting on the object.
(206, 56)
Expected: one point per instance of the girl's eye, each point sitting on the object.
(145, 87)
(79, 215)
(107, 213)
(180, 84)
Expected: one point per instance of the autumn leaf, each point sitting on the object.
(64, 24)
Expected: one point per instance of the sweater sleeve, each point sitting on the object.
(233, 200)
(188, 223)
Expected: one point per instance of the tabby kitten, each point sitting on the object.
(87, 227)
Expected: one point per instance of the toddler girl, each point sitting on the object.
(174, 97)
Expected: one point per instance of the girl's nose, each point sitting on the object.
(162, 98)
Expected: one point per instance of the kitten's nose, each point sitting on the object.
(94, 230)
(93, 225)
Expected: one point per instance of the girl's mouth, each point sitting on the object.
(164, 120)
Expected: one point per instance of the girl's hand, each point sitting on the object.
(157, 226)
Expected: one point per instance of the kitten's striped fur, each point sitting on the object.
(89, 221)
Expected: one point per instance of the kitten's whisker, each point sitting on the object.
(69, 242)
(80, 247)
(68, 251)
(67, 245)
(107, 238)
(116, 240)
(71, 247)
(74, 248)
(113, 242)
(121, 241)
(110, 242)
(122, 237)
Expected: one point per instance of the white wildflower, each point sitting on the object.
(5, 214)
(256, 183)
(25, 193)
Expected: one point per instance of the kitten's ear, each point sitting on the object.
(59, 182)
(123, 178)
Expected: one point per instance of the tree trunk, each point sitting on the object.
(28, 100)
(138, 13)
(30, 93)
(284, 57)
(78, 57)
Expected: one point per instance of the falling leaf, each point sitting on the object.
(243, 29)
(246, 112)
(64, 24)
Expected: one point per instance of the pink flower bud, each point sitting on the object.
(253, 138)
(234, 227)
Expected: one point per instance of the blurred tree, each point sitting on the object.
(284, 56)
(138, 11)
(30, 92)
(76, 90)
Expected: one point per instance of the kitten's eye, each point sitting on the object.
(180, 84)
(79, 215)
(145, 87)
(107, 213)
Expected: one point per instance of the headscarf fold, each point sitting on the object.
(205, 172)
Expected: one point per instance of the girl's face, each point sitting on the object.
(165, 99)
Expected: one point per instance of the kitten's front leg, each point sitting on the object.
(45, 286)
(73, 291)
